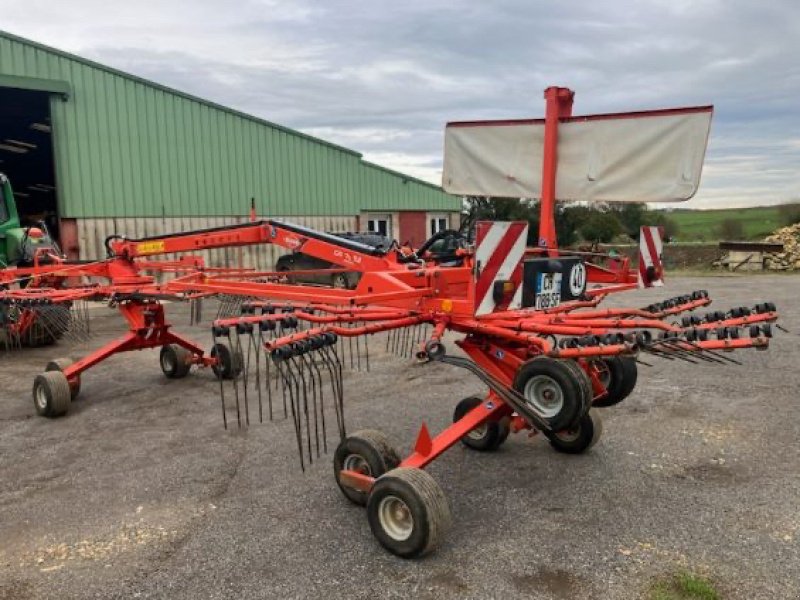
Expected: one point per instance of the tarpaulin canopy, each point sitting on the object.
(654, 156)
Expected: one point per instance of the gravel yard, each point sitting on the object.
(139, 492)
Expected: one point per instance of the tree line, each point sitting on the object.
(600, 222)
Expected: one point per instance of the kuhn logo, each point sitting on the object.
(293, 242)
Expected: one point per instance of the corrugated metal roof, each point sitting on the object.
(129, 147)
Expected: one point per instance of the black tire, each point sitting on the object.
(486, 438)
(408, 512)
(367, 451)
(40, 334)
(230, 363)
(175, 361)
(579, 438)
(553, 388)
(59, 364)
(622, 376)
(51, 394)
(582, 377)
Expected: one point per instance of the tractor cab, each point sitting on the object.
(19, 245)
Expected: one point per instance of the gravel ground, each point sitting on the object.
(140, 493)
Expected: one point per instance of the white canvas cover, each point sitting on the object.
(629, 157)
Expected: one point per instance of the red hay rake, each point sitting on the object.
(529, 323)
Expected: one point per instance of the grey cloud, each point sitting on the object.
(384, 78)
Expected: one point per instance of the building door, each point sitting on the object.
(26, 155)
(381, 224)
(438, 223)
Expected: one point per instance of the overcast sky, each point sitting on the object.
(384, 77)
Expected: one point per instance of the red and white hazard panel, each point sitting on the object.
(651, 269)
(500, 247)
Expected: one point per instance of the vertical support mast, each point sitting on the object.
(558, 105)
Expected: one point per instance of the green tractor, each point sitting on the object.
(22, 247)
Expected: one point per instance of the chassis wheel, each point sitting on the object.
(579, 438)
(619, 375)
(489, 436)
(51, 394)
(59, 364)
(175, 361)
(230, 362)
(408, 512)
(368, 452)
(555, 389)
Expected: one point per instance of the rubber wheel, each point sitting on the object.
(555, 389)
(488, 436)
(408, 512)
(368, 452)
(51, 394)
(175, 361)
(59, 364)
(339, 281)
(230, 362)
(582, 377)
(622, 374)
(579, 438)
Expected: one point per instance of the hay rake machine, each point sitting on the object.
(528, 325)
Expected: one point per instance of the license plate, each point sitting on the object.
(548, 290)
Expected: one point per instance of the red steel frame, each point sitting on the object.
(394, 291)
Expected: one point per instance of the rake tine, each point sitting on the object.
(675, 352)
(350, 348)
(302, 379)
(675, 346)
(307, 360)
(358, 350)
(287, 374)
(720, 356)
(257, 346)
(245, 374)
(313, 360)
(268, 376)
(221, 387)
(366, 349)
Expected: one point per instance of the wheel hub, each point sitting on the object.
(395, 518)
(357, 463)
(41, 398)
(545, 394)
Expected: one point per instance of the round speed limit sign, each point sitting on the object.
(577, 279)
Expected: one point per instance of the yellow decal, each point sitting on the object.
(447, 305)
(150, 247)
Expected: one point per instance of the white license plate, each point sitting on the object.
(548, 290)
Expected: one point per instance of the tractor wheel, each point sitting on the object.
(579, 438)
(554, 390)
(51, 394)
(619, 375)
(230, 363)
(489, 436)
(368, 452)
(59, 364)
(175, 361)
(408, 512)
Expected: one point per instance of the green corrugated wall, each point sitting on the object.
(130, 148)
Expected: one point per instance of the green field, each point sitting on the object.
(705, 225)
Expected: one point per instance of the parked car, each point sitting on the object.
(297, 261)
